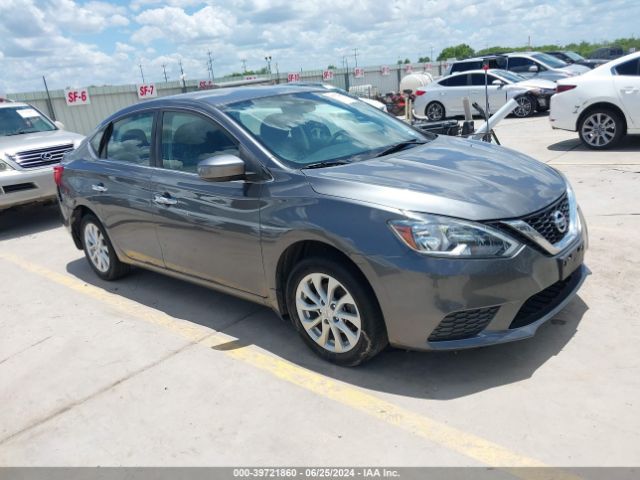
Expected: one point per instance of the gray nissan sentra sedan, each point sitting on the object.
(358, 228)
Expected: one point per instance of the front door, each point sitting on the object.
(497, 94)
(207, 230)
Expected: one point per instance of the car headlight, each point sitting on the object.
(4, 166)
(452, 238)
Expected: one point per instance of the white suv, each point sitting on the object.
(30, 144)
(602, 105)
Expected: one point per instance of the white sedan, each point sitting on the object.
(443, 98)
(602, 105)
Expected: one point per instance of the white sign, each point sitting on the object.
(408, 68)
(385, 70)
(327, 75)
(147, 90)
(27, 113)
(293, 77)
(205, 84)
(77, 96)
(358, 72)
(250, 77)
(427, 66)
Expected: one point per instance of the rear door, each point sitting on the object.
(455, 88)
(120, 186)
(627, 83)
(207, 230)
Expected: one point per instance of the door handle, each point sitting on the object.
(630, 90)
(164, 200)
(98, 188)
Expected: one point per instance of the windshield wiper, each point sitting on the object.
(396, 147)
(21, 131)
(326, 163)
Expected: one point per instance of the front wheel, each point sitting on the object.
(525, 108)
(601, 129)
(434, 111)
(335, 311)
(99, 251)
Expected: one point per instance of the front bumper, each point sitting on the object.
(418, 293)
(18, 187)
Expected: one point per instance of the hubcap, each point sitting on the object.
(524, 107)
(96, 246)
(434, 112)
(328, 312)
(598, 129)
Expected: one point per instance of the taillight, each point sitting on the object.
(564, 88)
(57, 174)
(420, 92)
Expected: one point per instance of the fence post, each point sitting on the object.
(346, 80)
(399, 74)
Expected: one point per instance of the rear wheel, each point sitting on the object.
(434, 111)
(335, 311)
(525, 108)
(99, 251)
(601, 129)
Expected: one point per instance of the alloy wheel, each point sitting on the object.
(598, 129)
(434, 112)
(524, 107)
(97, 248)
(328, 312)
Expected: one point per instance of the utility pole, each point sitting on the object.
(141, 72)
(184, 84)
(431, 57)
(52, 113)
(268, 60)
(211, 66)
(355, 56)
(164, 70)
(244, 65)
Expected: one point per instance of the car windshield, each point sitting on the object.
(574, 56)
(321, 127)
(510, 76)
(24, 119)
(548, 60)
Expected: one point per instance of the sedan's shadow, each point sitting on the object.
(629, 143)
(436, 375)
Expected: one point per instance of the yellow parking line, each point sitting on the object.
(454, 439)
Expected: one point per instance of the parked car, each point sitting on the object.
(607, 53)
(443, 98)
(570, 57)
(527, 64)
(602, 105)
(359, 228)
(30, 144)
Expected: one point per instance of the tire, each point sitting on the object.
(434, 111)
(99, 251)
(601, 128)
(526, 106)
(346, 331)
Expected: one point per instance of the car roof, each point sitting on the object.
(13, 104)
(216, 97)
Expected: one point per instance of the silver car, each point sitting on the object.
(30, 144)
(360, 229)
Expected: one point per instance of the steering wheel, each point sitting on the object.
(317, 132)
(335, 138)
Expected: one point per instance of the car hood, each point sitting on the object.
(454, 177)
(32, 141)
(537, 83)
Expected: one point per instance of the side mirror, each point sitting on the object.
(498, 83)
(221, 168)
(533, 68)
(59, 124)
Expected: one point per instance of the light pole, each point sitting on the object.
(268, 60)
(164, 70)
(141, 72)
(211, 66)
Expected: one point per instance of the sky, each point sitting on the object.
(78, 43)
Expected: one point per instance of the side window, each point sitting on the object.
(188, 139)
(520, 64)
(477, 79)
(629, 68)
(95, 142)
(456, 81)
(130, 140)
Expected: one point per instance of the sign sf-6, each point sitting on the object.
(147, 90)
(293, 77)
(77, 96)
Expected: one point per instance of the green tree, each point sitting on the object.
(424, 60)
(407, 61)
(458, 51)
(331, 67)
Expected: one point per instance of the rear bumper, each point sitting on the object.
(19, 187)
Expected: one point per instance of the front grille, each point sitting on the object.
(540, 304)
(42, 156)
(543, 222)
(464, 324)
(18, 187)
